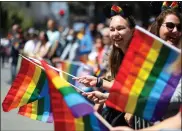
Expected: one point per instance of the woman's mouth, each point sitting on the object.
(171, 39)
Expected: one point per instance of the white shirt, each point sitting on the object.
(29, 46)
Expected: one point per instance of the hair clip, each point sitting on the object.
(116, 10)
(165, 5)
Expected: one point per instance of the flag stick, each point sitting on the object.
(36, 61)
(102, 120)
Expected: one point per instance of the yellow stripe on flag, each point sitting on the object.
(142, 76)
(31, 86)
(79, 124)
(34, 110)
(59, 82)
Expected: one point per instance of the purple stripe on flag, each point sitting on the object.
(78, 111)
(50, 119)
(166, 95)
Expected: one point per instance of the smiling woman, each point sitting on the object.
(121, 31)
(168, 26)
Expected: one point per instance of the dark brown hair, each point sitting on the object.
(160, 19)
(115, 60)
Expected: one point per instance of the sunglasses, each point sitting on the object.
(171, 26)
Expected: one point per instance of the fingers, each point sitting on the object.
(102, 101)
(121, 128)
(84, 94)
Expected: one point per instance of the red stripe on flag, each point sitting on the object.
(124, 80)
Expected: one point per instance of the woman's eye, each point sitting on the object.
(111, 29)
(120, 28)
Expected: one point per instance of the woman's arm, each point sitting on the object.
(91, 81)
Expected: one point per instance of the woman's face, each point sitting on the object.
(120, 32)
(98, 43)
(41, 36)
(170, 29)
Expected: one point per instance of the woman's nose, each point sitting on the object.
(175, 29)
(116, 33)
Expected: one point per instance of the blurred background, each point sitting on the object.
(74, 32)
(35, 14)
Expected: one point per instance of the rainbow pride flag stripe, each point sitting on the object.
(41, 110)
(29, 85)
(77, 103)
(71, 68)
(144, 85)
(38, 110)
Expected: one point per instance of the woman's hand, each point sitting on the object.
(96, 96)
(122, 128)
(89, 81)
(128, 117)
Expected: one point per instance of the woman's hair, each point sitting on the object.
(116, 55)
(160, 19)
(46, 36)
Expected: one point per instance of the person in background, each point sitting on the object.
(42, 47)
(53, 36)
(5, 49)
(72, 44)
(86, 43)
(30, 45)
(17, 48)
(107, 50)
(168, 26)
(96, 56)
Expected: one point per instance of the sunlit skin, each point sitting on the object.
(120, 32)
(50, 24)
(172, 36)
(98, 43)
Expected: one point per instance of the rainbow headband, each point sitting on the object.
(165, 5)
(116, 10)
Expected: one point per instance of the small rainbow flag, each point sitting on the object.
(143, 85)
(71, 68)
(41, 110)
(38, 110)
(29, 85)
(76, 103)
(64, 119)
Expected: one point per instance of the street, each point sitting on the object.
(11, 121)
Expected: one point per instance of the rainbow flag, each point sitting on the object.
(70, 68)
(41, 110)
(76, 103)
(38, 110)
(29, 85)
(64, 119)
(76, 69)
(143, 85)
